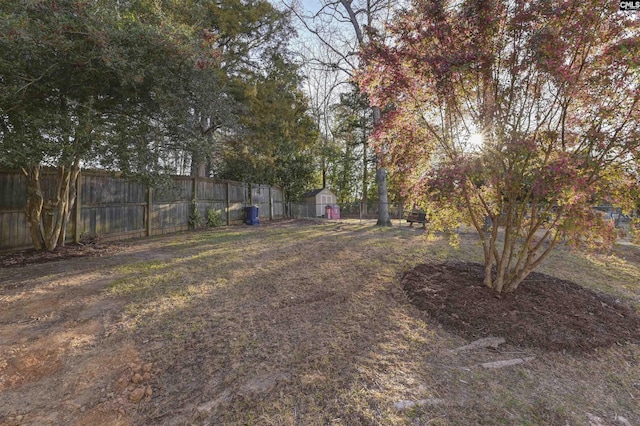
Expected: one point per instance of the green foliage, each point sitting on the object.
(88, 82)
(351, 170)
(195, 217)
(275, 145)
(129, 86)
(243, 37)
(136, 87)
(214, 218)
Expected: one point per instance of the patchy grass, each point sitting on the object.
(288, 323)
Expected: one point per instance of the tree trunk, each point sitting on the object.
(71, 194)
(365, 179)
(33, 207)
(381, 179)
(488, 280)
(198, 165)
(383, 199)
(48, 219)
(199, 159)
(324, 172)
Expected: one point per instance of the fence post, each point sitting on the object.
(270, 204)
(228, 204)
(78, 207)
(193, 204)
(194, 189)
(149, 211)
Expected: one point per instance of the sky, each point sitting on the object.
(311, 5)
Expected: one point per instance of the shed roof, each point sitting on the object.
(315, 192)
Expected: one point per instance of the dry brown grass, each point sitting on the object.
(291, 323)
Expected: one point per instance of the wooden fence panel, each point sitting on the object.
(238, 200)
(211, 190)
(260, 197)
(14, 231)
(211, 194)
(112, 207)
(13, 191)
(277, 197)
(238, 192)
(101, 190)
(114, 219)
(170, 217)
(219, 206)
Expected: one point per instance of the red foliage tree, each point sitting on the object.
(551, 88)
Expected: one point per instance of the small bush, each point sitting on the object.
(195, 218)
(634, 230)
(214, 218)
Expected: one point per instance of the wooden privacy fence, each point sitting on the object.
(113, 207)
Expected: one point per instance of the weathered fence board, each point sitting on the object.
(13, 229)
(261, 199)
(277, 199)
(113, 207)
(13, 191)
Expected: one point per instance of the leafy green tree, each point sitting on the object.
(133, 86)
(354, 159)
(85, 83)
(274, 143)
(245, 35)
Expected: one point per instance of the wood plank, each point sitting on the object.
(77, 209)
(149, 211)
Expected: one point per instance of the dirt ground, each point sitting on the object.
(304, 322)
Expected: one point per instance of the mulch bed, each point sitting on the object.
(544, 312)
(69, 251)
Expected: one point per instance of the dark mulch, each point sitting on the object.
(69, 251)
(544, 312)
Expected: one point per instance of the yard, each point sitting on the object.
(301, 323)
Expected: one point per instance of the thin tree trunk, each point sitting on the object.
(365, 174)
(324, 172)
(58, 215)
(381, 179)
(71, 196)
(34, 204)
(48, 219)
(383, 199)
(198, 158)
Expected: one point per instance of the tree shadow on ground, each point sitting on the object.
(544, 312)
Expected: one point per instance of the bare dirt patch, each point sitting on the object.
(544, 312)
(287, 323)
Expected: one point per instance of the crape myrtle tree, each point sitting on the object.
(85, 83)
(514, 117)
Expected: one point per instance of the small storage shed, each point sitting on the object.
(320, 198)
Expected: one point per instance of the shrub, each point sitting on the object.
(214, 218)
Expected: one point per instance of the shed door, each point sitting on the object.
(324, 200)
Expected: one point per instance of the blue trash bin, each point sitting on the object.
(251, 215)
